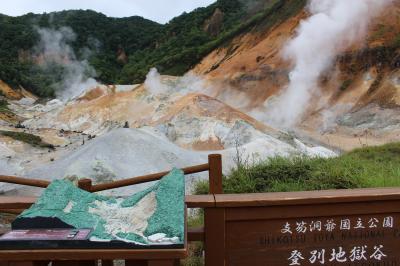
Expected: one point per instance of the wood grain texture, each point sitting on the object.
(16, 202)
(200, 201)
(136, 263)
(107, 263)
(214, 224)
(196, 234)
(91, 254)
(215, 173)
(24, 181)
(307, 197)
(75, 263)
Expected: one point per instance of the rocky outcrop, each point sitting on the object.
(213, 25)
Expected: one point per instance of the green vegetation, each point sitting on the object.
(396, 42)
(31, 139)
(346, 84)
(361, 168)
(4, 107)
(103, 36)
(124, 49)
(195, 249)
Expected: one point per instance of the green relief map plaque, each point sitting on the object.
(154, 216)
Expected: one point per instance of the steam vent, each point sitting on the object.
(152, 217)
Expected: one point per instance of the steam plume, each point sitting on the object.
(334, 25)
(53, 48)
(185, 84)
(193, 83)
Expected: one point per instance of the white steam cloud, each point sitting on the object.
(334, 25)
(53, 48)
(192, 83)
(186, 84)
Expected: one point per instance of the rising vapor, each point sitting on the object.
(334, 25)
(53, 48)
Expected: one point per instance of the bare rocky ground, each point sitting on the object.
(176, 128)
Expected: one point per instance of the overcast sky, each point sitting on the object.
(158, 10)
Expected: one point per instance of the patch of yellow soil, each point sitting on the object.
(209, 145)
(200, 105)
(92, 94)
(8, 92)
(118, 107)
(9, 117)
(253, 63)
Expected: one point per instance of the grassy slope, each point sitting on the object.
(30, 139)
(4, 107)
(361, 168)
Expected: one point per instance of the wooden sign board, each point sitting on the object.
(302, 229)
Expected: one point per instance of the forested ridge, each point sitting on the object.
(122, 50)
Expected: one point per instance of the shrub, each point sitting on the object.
(31, 139)
(361, 168)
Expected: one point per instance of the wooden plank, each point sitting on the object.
(136, 263)
(16, 202)
(75, 263)
(214, 220)
(41, 263)
(21, 263)
(286, 233)
(107, 263)
(146, 178)
(196, 234)
(92, 254)
(163, 263)
(12, 211)
(308, 197)
(311, 210)
(24, 263)
(215, 173)
(24, 181)
(262, 242)
(200, 201)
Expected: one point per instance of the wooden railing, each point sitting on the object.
(16, 205)
(24, 181)
(246, 229)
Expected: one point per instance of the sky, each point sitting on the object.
(157, 10)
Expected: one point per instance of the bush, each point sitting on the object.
(361, 168)
(346, 84)
(31, 139)
(4, 107)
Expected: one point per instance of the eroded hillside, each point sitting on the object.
(359, 98)
(225, 104)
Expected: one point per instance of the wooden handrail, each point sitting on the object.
(214, 166)
(146, 178)
(24, 181)
(13, 203)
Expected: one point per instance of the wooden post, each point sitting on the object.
(214, 224)
(215, 173)
(85, 184)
